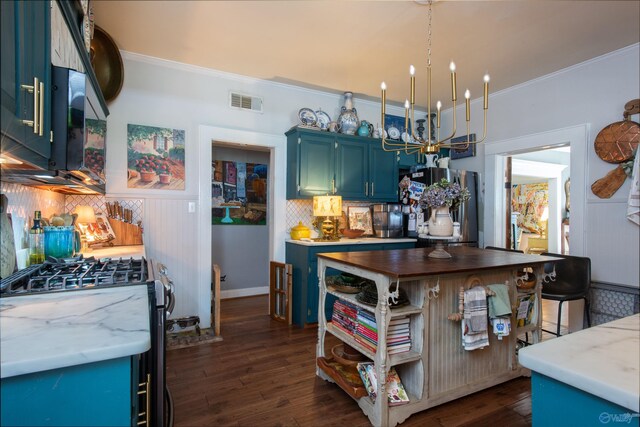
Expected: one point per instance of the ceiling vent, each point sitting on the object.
(246, 102)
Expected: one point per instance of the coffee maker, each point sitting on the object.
(387, 220)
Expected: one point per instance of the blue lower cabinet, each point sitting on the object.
(554, 403)
(93, 394)
(304, 262)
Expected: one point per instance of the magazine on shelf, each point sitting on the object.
(396, 392)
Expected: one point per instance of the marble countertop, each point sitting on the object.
(131, 251)
(603, 360)
(39, 332)
(359, 241)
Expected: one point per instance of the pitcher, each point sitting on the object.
(431, 160)
(443, 162)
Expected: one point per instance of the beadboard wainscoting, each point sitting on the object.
(170, 237)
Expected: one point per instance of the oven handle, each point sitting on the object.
(171, 299)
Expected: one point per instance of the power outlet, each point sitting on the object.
(192, 207)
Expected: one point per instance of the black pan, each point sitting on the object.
(107, 64)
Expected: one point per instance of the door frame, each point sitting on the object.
(494, 209)
(276, 210)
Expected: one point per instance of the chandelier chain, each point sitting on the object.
(429, 37)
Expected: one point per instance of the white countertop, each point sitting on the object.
(39, 332)
(603, 360)
(358, 241)
(132, 251)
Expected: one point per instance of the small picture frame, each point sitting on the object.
(461, 151)
(360, 219)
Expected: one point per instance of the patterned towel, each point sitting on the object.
(633, 208)
(474, 323)
(473, 341)
(475, 309)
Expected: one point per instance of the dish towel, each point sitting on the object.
(499, 304)
(474, 322)
(633, 205)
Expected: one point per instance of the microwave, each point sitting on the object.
(79, 128)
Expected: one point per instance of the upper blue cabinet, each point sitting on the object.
(26, 81)
(354, 167)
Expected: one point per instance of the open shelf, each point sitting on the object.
(395, 311)
(394, 359)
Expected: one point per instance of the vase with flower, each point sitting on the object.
(440, 197)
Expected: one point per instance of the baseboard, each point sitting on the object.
(244, 292)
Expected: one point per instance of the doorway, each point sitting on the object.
(496, 153)
(239, 233)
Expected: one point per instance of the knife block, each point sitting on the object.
(126, 233)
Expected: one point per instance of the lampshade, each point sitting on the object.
(327, 205)
(85, 214)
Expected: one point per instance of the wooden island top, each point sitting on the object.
(413, 263)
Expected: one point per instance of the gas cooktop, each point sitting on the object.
(73, 274)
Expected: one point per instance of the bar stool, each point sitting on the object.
(572, 282)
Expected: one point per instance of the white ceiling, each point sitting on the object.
(355, 45)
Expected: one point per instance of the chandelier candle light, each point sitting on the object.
(426, 145)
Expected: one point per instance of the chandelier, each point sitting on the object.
(416, 144)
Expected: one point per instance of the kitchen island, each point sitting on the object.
(436, 369)
(590, 377)
(70, 358)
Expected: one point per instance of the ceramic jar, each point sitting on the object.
(440, 223)
(300, 231)
(348, 119)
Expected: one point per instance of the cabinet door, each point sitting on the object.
(25, 57)
(37, 64)
(316, 165)
(383, 173)
(352, 170)
(12, 40)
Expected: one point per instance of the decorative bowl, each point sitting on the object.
(350, 233)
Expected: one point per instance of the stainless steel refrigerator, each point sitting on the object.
(466, 214)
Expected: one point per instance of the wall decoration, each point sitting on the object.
(238, 193)
(461, 152)
(360, 219)
(530, 201)
(155, 157)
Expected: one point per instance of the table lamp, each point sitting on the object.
(327, 207)
(86, 215)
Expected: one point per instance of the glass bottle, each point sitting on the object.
(36, 241)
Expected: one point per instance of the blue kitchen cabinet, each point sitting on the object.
(310, 164)
(304, 263)
(354, 167)
(25, 106)
(382, 165)
(94, 394)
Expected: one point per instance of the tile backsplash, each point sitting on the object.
(23, 201)
(302, 211)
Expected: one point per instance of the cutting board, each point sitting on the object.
(7, 243)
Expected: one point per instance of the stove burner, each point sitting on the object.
(75, 273)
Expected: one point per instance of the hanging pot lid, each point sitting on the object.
(107, 64)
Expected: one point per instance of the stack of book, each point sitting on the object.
(344, 316)
(398, 338)
(366, 330)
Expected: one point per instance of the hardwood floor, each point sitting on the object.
(263, 374)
